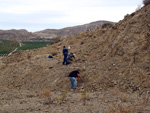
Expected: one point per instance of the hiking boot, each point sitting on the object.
(71, 90)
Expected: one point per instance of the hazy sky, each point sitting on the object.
(36, 15)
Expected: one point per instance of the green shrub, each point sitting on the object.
(146, 2)
(57, 39)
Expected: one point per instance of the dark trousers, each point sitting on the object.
(65, 59)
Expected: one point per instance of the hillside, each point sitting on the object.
(24, 35)
(68, 31)
(21, 35)
(115, 64)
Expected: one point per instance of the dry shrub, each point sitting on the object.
(63, 99)
(47, 93)
(64, 95)
(146, 2)
(44, 94)
(57, 39)
(84, 96)
(120, 108)
(107, 25)
(124, 97)
(48, 96)
(54, 53)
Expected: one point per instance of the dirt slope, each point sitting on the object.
(117, 57)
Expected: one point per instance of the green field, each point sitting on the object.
(7, 46)
(32, 45)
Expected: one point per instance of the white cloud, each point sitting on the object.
(43, 14)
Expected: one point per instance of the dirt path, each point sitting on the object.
(20, 44)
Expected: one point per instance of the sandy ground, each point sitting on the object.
(79, 101)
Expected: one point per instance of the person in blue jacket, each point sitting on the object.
(65, 53)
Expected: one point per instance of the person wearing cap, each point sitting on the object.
(72, 76)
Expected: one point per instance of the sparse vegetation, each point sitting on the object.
(48, 96)
(120, 108)
(60, 99)
(64, 95)
(146, 2)
(84, 96)
(114, 61)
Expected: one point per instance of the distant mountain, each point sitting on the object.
(24, 35)
(13, 34)
(51, 33)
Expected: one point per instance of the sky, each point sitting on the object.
(37, 15)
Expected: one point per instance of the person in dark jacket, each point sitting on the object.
(72, 76)
(65, 53)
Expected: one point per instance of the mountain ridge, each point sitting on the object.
(24, 35)
(67, 31)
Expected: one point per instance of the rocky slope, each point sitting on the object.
(110, 58)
